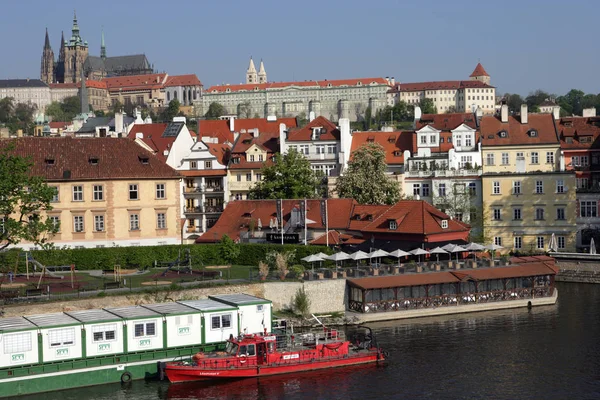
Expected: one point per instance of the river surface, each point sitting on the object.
(550, 352)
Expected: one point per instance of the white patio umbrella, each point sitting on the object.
(553, 244)
(437, 251)
(341, 256)
(378, 254)
(457, 249)
(493, 247)
(259, 224)
(592, 246)
(473, 247)
(418, 252)
(359, 255)
(312, 259)
(322, 255)
(399, 254)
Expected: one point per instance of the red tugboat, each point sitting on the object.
(250, 356)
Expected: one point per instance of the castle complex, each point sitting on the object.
(74, 61)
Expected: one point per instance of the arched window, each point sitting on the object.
(168, 96)
(175, 95)
(190, 95)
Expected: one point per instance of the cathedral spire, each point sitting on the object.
(102, 47)
(251, 76)
(47, 42)
(262, 73)
(75, 29)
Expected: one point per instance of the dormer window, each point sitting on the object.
(585, 139)
(393, 225)
(369, 217)
(444, 224)
(143, 159)
(93, 160)
(371, 139)
(533, 133)
(359, 83)
(247, 141)
(392, 139)
(503, 134)
(235, 160)
(397, 153)
(49, 161)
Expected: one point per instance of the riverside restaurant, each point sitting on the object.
(451, 288)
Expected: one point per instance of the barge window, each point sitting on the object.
(61, 337)
(221, 321)
(17, 343)
(145, 329)
(104, 332)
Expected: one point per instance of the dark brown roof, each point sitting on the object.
(518, 133)
(432, 278)
(305, 133)
(74, 159)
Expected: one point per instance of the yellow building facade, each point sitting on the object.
(528, 196)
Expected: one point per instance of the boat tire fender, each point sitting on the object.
(243, 358)
(126, 377)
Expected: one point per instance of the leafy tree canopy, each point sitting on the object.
(289, 177)
(215, 110)
(427, 106)
(366, 180)
(171, 111)
(23, 198)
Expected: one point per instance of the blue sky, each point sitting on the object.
(524, 45)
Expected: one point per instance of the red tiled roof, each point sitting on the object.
(305, 133)
(393, 143)
(437, 85)
(136, 82)
(204, 172)
(221, 151)
(337, 238)
(63, 85)
(59, 125)
(433, 278)
(518, 133)
(220, 128)
(89, 83)
(576, 128)
(152, 137)
(273, 85)
(447, 122)
(118, 158)
(183, 80)
(478, 71)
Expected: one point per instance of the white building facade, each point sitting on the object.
(28, 91)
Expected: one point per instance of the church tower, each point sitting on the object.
(47, 68)
(75, 54)
(480, 74)
(251, 76)
(262, 74)
(102, 47)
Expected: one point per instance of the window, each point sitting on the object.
(260, 157)
(98, 192)
(517, 187)
(549, 157)
(303, 149)
(584, 161)
(134, 222)
(55, 196)
(497, 214)
(207, 164)
(540, 242)
(426, 189)
(496, 187)
(539, 213)
(575, 161)
(320, 149)
(468, 141)
(331, 148)
(489, 159)
(55, 223)
(588, 208)
(520, 156)
(444, 224)
(161, 221)
(17, 343)
(560, 186)
(142, 329)
(561, 242)
(221, 321)
(442, 189)
(583, 183)
(393, 225)
(61, 337)
(248, 177)
(104, 333)
(239, 177)
(160, 191)
(99, 223)
(505, 159)
(432, 139)
(416, 189)
(78, 223)
(458, 216)
(560, 213)
(516, 214)
(518, 242)
(498, 240)
(133, 191)
(539, 187)
(534, 157)
(251, 158)
(260, 308)
(258, 177)
(77, 193)
(458, 141)
(423, 139)
(473, 189)
(193, 165)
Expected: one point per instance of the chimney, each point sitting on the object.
(556, 112)
(139, 135)
(589, 112)
(282, 138)
(524, 115)
(119, 122)
(311, 116)
(345, 142)
(417, 115)
(504, 113)
(231, 123)
(19, 132)
(478, 114)
(255, 132)
(393, 81)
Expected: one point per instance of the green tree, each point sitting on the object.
(244, 110)
(7, 107)
(23, 198)
(215, 110)
(171, 111)
(366, 180)
(572, 102)
(71, 106)
(116, 107)
(229, 249)
(514, 101)
(54, 111)
(289, 177)
(427, 106)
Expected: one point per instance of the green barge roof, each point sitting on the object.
(171, 308)
(92, 316)
(52, 320)
(13, 324)
(135, 312)
(206, 305)
(239, 299)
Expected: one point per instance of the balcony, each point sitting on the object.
(445, 173)
(204, 209)
(199, 190)
(213, 209)
(194, 210)
(322, 156)
(193, 229)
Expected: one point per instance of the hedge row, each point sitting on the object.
(107, 257)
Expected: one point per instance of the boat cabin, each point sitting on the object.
(61, 336)
(143, 327)
(220, 320)
(102, 332)
(255, 313)
(19, 342)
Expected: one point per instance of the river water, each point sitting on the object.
(550, 352)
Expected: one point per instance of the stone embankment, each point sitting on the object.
(578, 271)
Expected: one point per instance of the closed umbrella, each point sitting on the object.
(259, 224)
(418, 252)
(271, 223)
(378, 254)
(437, 251)
(359, 255)
(553, 245)
(592, 247)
